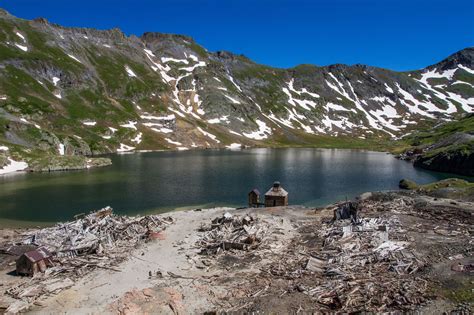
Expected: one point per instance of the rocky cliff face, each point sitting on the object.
(459, 160)
(453, 154)
(77, 91)
(448, 147)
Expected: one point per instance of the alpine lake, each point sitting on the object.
(158, 182)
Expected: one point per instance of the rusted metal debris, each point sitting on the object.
(97, 240)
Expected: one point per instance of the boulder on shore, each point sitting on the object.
(407, 184)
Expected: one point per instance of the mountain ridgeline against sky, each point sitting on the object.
(78, 91)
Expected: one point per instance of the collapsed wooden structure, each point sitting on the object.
(67, 251)
(231, 232)
(33, 262)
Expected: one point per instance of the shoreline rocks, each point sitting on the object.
(66, 163)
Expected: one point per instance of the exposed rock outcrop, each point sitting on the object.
(457, 159)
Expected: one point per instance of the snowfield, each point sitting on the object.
(234, 146)
(262, 132)
(125, 148)
(13, 166)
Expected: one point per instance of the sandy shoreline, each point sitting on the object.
(20, 224)
(246, 280)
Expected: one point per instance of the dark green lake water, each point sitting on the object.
(162, 181)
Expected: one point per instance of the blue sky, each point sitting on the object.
(395, 34)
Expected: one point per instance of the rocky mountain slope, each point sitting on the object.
(448, 147)
(82, 92)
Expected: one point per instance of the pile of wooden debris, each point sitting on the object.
(365, 266)
(232, 232)
(371, 263)
(98, 233)
(98, 240)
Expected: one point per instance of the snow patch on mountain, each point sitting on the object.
(173, 142)
(464, 83)
(302, 91)
(130, 72)
(191, 69)
(231, 79)
(21, 36)
(22, 47)
(125, 148)
(466, 104)
(262, 132)
(209, 135)
(433, 74)
(166, 118)
(223, 119)
(138, 138)
(130, 124)
(163, 70)
(342, 123)
(337, 107)
(419, 106)
(389, 89)
(233, 100)
(169, 59)
(304, 103)
(72, 57)
(466, 69)
(61, 149)
(13, 166)
(234, 146)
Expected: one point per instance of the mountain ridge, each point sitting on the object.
(190, 38)
(81, 92)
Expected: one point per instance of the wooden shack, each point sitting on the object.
(33, 262)
(276, 196)
(254, 198)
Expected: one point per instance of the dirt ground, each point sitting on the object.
(299, 262)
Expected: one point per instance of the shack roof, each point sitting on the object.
(277, 192)
(18, 250)
(37, 254)
(255, 191)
